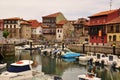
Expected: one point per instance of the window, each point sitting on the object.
(114, 37)
(92, 37)
(14, 26)
(10, 26)
(110, 38)
(58, 30)
(117, 28)
(6, 26)
(111, 29)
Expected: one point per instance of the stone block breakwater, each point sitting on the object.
(96, 49)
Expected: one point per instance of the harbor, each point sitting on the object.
(60, 67)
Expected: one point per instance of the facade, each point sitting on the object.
(50, 21)
(1, 25)
(81, 29)
(113, 31)
(17, 27)
(36, 29)
(98, 27)
(65, 31)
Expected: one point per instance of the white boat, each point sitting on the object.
(101, 57)
(3, 65)
(88, 76)
(20, 70)
(90, 55)
(113, 59)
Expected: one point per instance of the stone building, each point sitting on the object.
(17, 27)
(80, 29)
(36, 29)
(64, 31)
(50, 21)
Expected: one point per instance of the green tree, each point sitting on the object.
(5, 34)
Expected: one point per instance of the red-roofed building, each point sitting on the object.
(36, 29)
(17, 27)
(98, 26)
(51, 21)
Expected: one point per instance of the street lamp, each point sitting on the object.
(84, 46)
(114, 48)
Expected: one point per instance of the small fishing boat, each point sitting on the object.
(71, 55)
(20, 70)
(88, 76)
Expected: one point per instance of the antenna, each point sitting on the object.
(110, 4)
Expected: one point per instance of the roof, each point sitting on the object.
(114, 21)
(34, 23)
(103, 13)
(14, 18)
(53, 15)
(25, 23)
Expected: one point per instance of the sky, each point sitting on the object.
(71, 9)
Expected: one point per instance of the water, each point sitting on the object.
(67, 69)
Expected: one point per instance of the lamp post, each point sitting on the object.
(114, 48)
(84, 46)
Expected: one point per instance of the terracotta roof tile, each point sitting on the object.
(103, 13)
(114, 21)
(34, 23)
(25, 23)
(53, 15)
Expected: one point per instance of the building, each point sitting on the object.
(64, 31)
(50, 21)
(36, 29)
(81, 29)
(17, 27)
(113, 31)
(1, 25)
(98, 26)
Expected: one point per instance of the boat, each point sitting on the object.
(90, 55)
(71, 55)
(21, 70)
(88, 76)
(101, 58)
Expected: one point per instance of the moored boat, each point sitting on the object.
(71, 55)
(88, 76)
(20, 70)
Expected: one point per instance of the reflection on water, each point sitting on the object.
(67, 69)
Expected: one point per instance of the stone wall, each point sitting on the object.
(96, 49)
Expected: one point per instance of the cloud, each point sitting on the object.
(72, 9)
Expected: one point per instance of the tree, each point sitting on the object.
(5, 34)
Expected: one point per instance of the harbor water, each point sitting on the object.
(67, 69)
